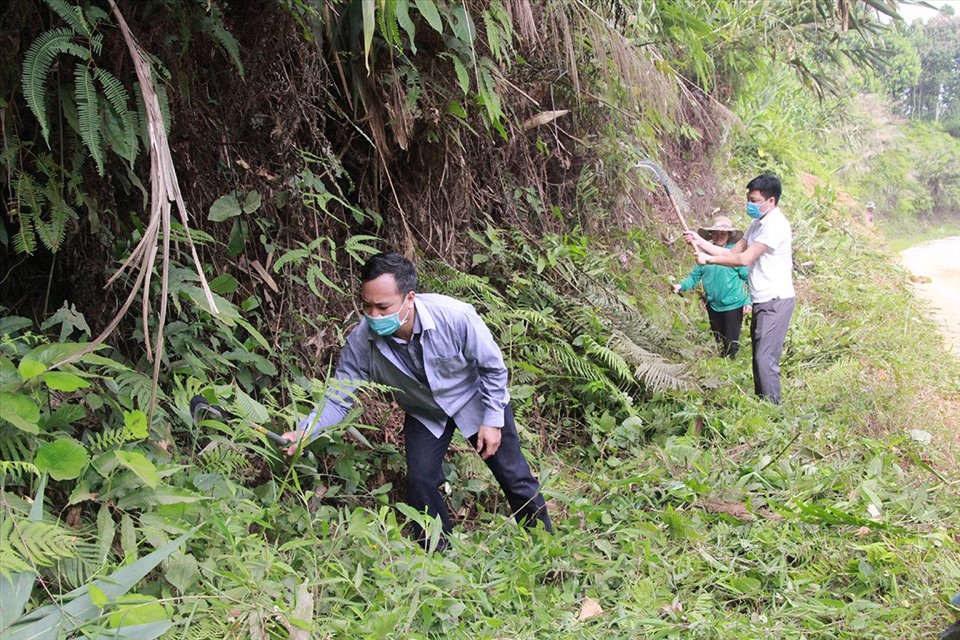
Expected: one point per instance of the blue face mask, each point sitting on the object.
(753, 210)
(389, 324)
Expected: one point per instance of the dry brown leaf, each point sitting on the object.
(589, 609)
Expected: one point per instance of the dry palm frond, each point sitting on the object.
(164, 190)
(521, 15)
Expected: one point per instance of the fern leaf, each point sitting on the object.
(36, 67)
(225, 39)
(88, 111)
(118, 98)
(52, 232)
(36, 543)
(13, 472)
(72, 15)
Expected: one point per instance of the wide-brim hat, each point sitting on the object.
(722, 223)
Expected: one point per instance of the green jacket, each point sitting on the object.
(723, 285)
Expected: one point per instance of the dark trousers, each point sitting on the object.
(768, 330)
(726, 326)
(425, 473)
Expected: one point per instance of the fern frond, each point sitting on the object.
(72, 15)
(15, 445)
(109, 439)
(134, 389)
(88, 112)
(36, 66)
(28, 543)
(118, 98)
(206, 629)
(610, 359)
(77, 570)
(53, 232)
(649, 368)
(445, 279)
(225, 39)
(567, 362)
(25, 240)
(223, 460)
(13, 472)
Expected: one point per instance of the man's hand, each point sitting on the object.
(701, 257)
(294, 438)
(747, 309)
(488, 441)
(677, 288)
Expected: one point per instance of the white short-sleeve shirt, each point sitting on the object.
(771, 275)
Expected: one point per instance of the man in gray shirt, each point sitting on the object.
(447, 374)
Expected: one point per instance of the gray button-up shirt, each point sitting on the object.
(465, 373)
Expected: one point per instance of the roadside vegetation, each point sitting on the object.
(496, 143)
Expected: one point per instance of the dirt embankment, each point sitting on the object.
(937, 266)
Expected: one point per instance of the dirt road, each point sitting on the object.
(938, 264)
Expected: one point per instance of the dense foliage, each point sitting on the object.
(496, 142)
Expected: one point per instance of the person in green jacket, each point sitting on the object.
(727, 298)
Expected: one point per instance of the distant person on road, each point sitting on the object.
(868, 212)
(766, 249)
(727, 298)
(448, 375)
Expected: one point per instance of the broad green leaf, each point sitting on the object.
(98, 597)
(224, 284)
(64, 381)
(31, 368)
(181, 571)
(456, 109)
(20, 411)
(133, 609)
(12, 324)
(462, 26)
(252, 201)
(63, 459)
(10, 378)
(136, 423)
(49, 354)
(429, 11)
(140, 465)
(403, 19)
(224, 208)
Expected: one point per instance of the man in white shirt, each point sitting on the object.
(767, 250)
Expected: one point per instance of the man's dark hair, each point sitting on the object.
(768, 185)
(395, 264)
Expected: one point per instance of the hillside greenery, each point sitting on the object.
(230, 167)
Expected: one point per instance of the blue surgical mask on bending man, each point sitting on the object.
(389, 324)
